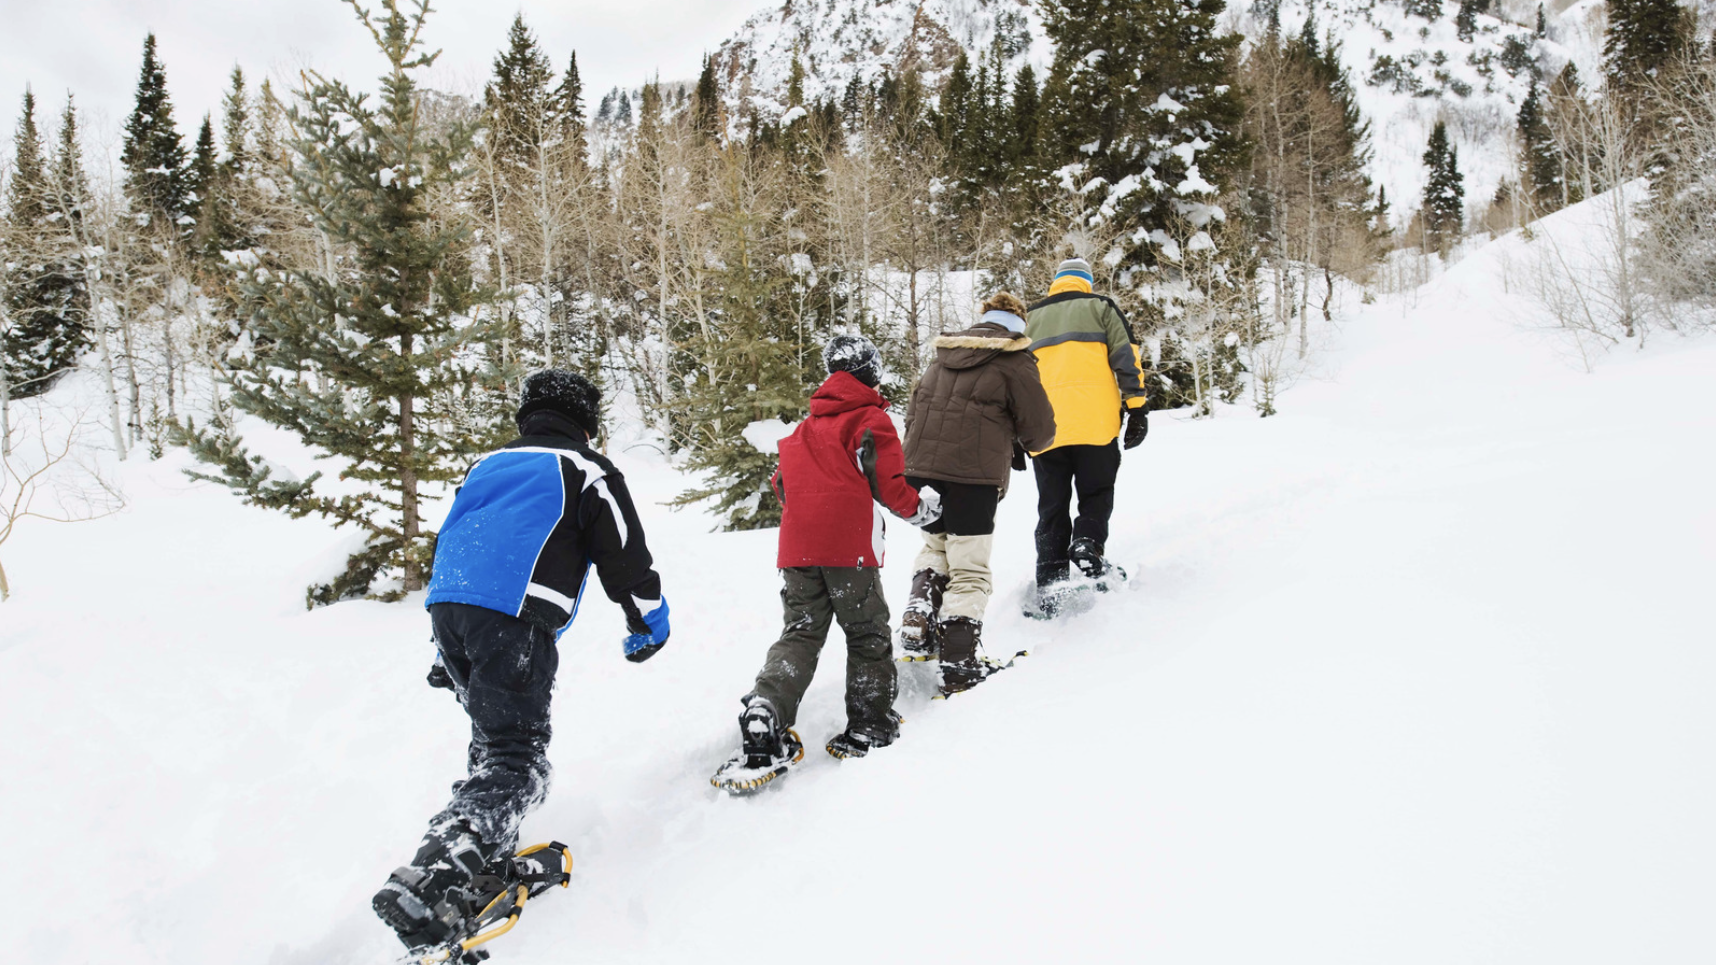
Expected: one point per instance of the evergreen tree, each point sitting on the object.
(1540, 161)
(1430, 10)
(1142, 112)
(152, 152)
(623, 109)
(1466, 21)
(223, 224)
(1444, 193)
(1542, 30)
(706, 106)
(200, 173)
(1026, 113)
(367, 358)
(45, 299)
(520, 102)
(1644, 37)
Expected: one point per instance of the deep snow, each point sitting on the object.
(1419, 671)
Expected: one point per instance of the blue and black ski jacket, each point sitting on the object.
(528, 523)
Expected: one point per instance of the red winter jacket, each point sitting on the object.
(829, 516)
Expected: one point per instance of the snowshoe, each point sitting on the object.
(471, 915)
(959, 676)
(858, 741)
(766, 750)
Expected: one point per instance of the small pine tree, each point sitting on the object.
(200, 173)
(1540, 160)
(366, 362)
(1444, 193)
(152, 152)
(1542, 30)
(44, 294)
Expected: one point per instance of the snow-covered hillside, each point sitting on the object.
(1408, 71)
(1419, 671)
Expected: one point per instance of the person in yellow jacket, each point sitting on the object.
(1091, 368)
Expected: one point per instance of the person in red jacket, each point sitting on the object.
(834, 469)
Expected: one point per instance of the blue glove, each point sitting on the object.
(644, 642)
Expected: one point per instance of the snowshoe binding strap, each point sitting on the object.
(542, 866)
(498, 918)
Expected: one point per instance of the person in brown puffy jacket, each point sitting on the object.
(979, 403)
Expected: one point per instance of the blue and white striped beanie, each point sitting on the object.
(1075, 268)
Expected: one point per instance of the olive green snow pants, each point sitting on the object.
(813, 597)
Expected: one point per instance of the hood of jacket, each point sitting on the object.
(977, 345)
(843, 393)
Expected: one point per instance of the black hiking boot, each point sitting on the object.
(766, 750)
(858, 739)
(426, 901)
(1087, 556)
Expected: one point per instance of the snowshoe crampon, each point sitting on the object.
(737, 777)
(496, 901)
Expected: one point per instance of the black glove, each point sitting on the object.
(1018, 458)
(439, 677)
(1137, 427)
(866, 455)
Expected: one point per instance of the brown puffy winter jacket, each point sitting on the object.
(980, 394)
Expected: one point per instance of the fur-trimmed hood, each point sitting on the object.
(977, 345)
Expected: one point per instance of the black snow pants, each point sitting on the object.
(813, 597)
(503, 672)
(1091, 471)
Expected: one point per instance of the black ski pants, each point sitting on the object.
(813, 597)
(503, 672)
(1088, 470)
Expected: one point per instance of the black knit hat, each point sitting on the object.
(855, 354)
(565, 392)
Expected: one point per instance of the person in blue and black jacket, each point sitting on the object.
(528, 523)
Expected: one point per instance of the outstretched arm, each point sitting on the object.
(623, 563)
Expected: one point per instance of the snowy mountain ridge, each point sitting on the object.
(1408, 71)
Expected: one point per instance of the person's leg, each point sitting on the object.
(969, 512)
(1095, 470)
(871, 683)
(503, 669)
(970, 583)
(1054, 472)
(791, 662)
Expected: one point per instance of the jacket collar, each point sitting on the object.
(843, 392)
(547, 422)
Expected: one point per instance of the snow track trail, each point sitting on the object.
(1419, 672)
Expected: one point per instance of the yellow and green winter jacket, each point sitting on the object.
(1089, 362)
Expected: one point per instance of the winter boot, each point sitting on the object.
(858, 739)
(766, 749)
(1087, 555)
(923, 608)
(963, 665)
(426, 901)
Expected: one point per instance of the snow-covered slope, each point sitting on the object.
(1409, 71)
(1419, 671)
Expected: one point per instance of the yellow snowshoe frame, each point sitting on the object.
(514, 898)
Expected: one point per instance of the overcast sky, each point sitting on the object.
(93, 48)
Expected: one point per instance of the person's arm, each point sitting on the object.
(1028, 403)
(1124, 356)
(615, 537)
(889, 482)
